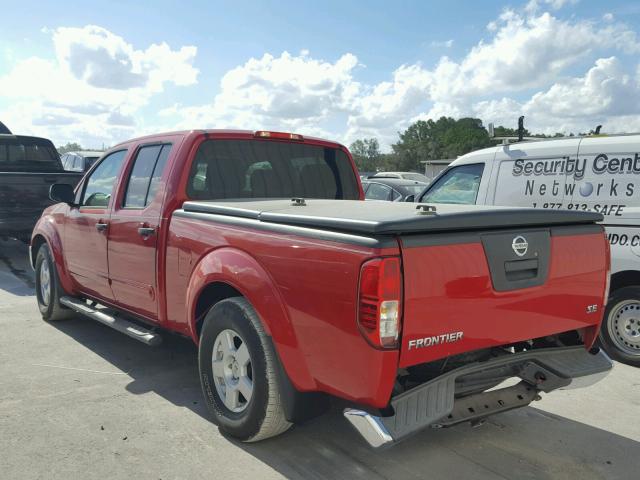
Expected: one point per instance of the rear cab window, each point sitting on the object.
(28, 154)
(458, 185)
(270, 169)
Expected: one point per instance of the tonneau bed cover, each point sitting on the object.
(387, 218)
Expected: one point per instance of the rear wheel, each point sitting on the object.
(238, 372)
(620, 332)
(48, 288)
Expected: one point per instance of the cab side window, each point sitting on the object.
(459, 185)
(145, 176)
(99, 186)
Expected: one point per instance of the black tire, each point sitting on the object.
(262, 415)
(620, 331)
(50, 308)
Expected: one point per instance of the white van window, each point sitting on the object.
(457, 185)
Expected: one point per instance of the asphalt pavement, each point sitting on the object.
(79, 400)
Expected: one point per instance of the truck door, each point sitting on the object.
(133, 231)
(87, 227)
(534, 174)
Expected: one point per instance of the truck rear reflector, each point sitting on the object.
(379, 301)
(279, 135)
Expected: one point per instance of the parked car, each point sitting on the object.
(404, 175)
(365, 175)
(392, 189)
(28, 167)
(580, 173)
(80, 161)
(259, 248)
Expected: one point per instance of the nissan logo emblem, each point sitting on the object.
(520, 246)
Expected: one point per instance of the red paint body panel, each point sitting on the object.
(305, 289)
(448, 289)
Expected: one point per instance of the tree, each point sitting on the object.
(366, 154)
(509, 132)
(69, 147)
(441, 139)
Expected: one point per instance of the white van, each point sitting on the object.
(600, 173)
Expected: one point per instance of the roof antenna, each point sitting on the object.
(520, 128)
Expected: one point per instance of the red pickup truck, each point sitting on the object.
(258, 246)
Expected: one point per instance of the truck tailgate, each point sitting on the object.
(466, 291)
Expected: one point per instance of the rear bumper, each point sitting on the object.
(433, 404)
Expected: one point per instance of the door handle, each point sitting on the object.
(101, 227)
(146, 231)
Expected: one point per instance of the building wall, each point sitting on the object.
(432, 168)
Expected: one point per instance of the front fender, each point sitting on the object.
(48, 229)
(241, 271)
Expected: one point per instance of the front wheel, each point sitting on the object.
(48, 288)
(238, 372)
(620, 332)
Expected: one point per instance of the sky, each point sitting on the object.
(101, 72)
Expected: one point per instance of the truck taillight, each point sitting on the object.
(380, 301)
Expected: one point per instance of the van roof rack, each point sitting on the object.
(508, 140)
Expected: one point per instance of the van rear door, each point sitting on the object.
(611, 183)
(611, 186)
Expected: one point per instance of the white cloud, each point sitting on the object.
(558, 4)
(97, 84)
(286, 92)
(525, 51)
(607, 94)
(606, 91)
(442, 44)
(94, 77)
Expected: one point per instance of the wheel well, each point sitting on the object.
(210, 295)
(626, 278)
(36, 243)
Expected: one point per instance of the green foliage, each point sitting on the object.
(69, 147)
(509, 132)
(366, 154)
(443, 138)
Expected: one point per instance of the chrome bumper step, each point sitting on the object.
(434, 403)
(112, 319)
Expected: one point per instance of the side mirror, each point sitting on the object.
(410, 198)
(62, 192)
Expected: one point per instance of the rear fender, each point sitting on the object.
(47, 229)
(241, 271)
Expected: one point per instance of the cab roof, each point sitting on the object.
(249, 134)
